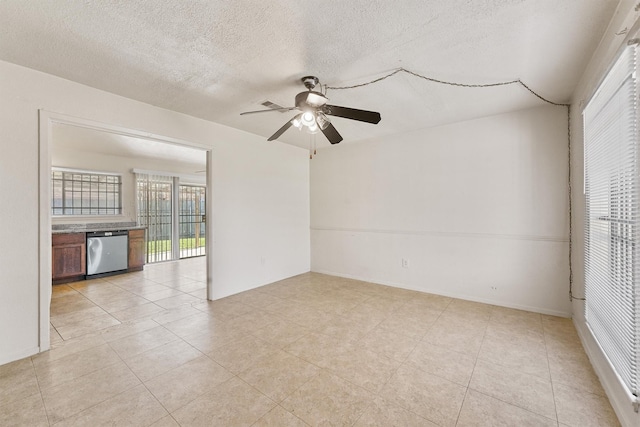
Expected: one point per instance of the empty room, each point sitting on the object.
(296, 213)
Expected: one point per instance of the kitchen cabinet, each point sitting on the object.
(137, 253)
(68, 257)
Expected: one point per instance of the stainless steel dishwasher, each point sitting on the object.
(107, 252)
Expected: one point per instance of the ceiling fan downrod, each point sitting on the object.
(310, 82)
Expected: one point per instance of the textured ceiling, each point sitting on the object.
(74, 138)
(215, 59)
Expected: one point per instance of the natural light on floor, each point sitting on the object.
(147, 347)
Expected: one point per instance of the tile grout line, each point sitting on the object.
(504, 401)
(46, 412)
(141, 382)
(475, 363)
(553, 392)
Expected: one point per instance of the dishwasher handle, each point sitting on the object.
(107, 233)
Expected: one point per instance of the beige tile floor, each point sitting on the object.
(146, 349)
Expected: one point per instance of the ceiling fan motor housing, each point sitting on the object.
(311, 100)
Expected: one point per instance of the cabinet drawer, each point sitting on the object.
(67, 239)
(136, 234)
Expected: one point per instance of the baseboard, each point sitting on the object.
(450, 295)
(12, 357)
(618, 397)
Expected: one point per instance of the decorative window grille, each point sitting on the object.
(192, 214)
(155, 201)
(85, 193)
(612, 193)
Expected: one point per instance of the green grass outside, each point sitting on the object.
(165, 245)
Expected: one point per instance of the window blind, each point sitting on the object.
(612, 223)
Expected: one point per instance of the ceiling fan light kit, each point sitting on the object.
(314, 111)
(308, 119)
(322, 120)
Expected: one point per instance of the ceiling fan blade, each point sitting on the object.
(266, 111)
(284, 128)
(332, 134)
(352, 113)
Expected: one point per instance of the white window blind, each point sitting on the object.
(612, 224)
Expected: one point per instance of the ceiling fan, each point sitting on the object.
(314, 110)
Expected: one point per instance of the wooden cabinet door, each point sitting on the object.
(137, 253)
(68, 256)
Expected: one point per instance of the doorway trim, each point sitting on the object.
(46, 120)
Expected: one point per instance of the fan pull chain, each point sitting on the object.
(312, 146)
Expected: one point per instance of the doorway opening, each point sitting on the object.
(49, 125)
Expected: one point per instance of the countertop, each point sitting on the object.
(90, 228)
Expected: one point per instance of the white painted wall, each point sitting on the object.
(478, 208)
(260, 193)
(603, 57)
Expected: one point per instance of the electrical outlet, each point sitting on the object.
(263, 260)
(405, 263)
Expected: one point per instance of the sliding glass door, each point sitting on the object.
(171, 213)
(155, 207)
(192, 220)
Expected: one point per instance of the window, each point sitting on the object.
(85, 193)
(612, 192)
